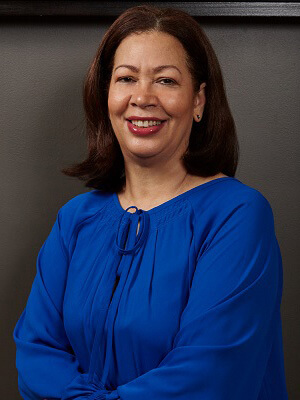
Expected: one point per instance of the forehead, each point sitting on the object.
(151, 48)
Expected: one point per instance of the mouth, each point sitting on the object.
(145, 123)
(145, 126)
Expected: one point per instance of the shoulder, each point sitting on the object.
(79, 209)
(231, 200)
(86, 203)
(251, 200)
(234, 216)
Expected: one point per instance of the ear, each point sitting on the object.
(199, 102)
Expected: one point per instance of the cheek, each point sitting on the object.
(116, 102)
(178, 106)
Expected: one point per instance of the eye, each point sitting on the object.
(167, 81)
(125, 79)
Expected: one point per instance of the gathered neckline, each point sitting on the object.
(175, 199)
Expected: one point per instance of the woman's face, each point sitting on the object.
(150, 79)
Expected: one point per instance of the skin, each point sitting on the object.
(154, 172)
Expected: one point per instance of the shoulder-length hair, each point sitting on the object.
(213, 145)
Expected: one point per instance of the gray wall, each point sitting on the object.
(42, 66)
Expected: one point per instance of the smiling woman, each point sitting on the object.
(180, 298)
(167, 60)
(155, 89)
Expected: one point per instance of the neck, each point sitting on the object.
(149, 189)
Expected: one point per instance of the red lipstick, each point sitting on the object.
(144, 118)
(137, 130)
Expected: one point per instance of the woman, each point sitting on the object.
(164, 281)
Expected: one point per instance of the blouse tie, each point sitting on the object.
(131, 224)
(128, 244)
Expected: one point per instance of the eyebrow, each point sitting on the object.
(155, 70)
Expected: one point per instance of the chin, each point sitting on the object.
(144, 154)
(143, 149)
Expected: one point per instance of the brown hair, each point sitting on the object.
(213, 145)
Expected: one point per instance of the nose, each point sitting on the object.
(143, 95)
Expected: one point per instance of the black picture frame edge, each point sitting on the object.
(90, 9)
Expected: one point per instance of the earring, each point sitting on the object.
(199, 117)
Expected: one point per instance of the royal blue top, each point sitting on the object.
(195, 314)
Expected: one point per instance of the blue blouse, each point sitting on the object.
(184, 305)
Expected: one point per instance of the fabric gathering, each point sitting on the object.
(177, 302)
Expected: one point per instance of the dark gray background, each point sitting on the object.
(42, 67)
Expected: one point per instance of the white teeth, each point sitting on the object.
(145, 124)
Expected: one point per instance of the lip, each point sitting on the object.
(145, 131)
(136, 118)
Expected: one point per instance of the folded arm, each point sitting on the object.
(47, 366)
(222, 347)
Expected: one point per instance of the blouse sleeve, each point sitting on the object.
(47, 367)
(223, 343)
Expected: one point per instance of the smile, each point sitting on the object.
(139, 127)
(145, 124)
